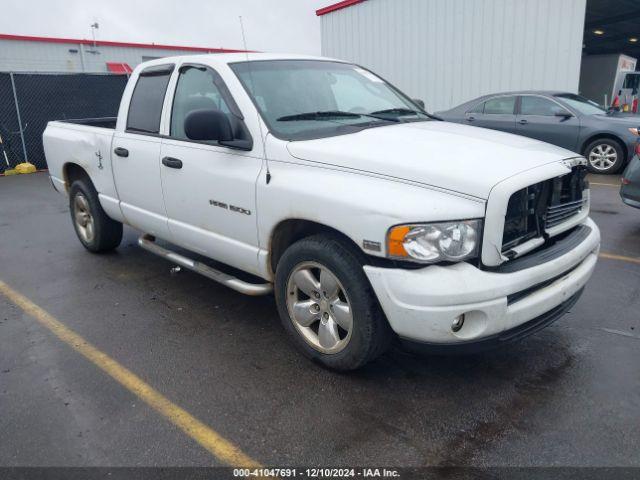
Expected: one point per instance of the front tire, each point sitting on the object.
(96, 231)
(604, 156)
(327, 305)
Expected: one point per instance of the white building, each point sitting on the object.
(20, 53)
(448, 51)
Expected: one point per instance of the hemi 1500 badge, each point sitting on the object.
(232, 208)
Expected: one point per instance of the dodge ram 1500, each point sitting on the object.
(368, 218)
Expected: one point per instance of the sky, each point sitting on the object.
(286, 26)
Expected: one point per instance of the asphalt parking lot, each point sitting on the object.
(569, 395)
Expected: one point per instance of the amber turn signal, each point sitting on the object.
(395, 241)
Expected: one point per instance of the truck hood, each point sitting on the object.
(459, 158)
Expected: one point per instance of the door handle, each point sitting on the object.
(172, 162)
(523, 122)
(470, 119)
(121, 152)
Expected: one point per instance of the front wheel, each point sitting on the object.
(327, 305)
(604, 156)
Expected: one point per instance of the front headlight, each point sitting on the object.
(435, 242)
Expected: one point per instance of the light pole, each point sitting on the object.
(94, 26)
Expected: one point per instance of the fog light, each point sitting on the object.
(457, 324)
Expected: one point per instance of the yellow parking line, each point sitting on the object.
(222, 449)
(611, 256)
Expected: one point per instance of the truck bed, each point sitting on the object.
(85, 142)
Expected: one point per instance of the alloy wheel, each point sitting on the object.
(319, 307)
(83, 218)
(602, 157)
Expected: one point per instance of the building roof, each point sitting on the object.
(105, 43)
(337, 6)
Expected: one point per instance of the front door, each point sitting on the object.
(539, 118)
(136, 155)
(209, 189)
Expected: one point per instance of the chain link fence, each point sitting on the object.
(29, 100)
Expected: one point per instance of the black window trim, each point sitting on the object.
(164, 69)
(155, 70)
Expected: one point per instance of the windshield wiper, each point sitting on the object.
(399, 112)
(328, 114)
(396, 111)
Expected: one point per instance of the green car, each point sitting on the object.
(630, 190)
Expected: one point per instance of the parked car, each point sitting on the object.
(369, 219)
(630, 189)
(567, 120)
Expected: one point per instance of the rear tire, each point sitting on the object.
(339, 323)
(604, 156)
(96, 231)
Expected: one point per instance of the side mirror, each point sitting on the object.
(208, 125)
(419, 102)
(564, 114)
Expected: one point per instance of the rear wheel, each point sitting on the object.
(327, 305)
(96, 231)
(604, 156)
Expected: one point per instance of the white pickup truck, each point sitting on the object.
(369, 219)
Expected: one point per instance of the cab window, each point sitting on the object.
(196, 90)
(500, 106)
(145, 107)
(532, 105)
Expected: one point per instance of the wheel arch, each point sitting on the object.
(71, 172)
(291, 230)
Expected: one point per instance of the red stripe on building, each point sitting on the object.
(337, 6)
(104, 43)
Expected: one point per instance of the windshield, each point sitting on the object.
(305, 99)
(581, 104)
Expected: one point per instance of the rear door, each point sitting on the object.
(497, 113)
(136, 154)
(538, 118)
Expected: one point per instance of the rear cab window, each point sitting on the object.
(145, 106)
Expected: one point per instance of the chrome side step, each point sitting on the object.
(148, 243)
